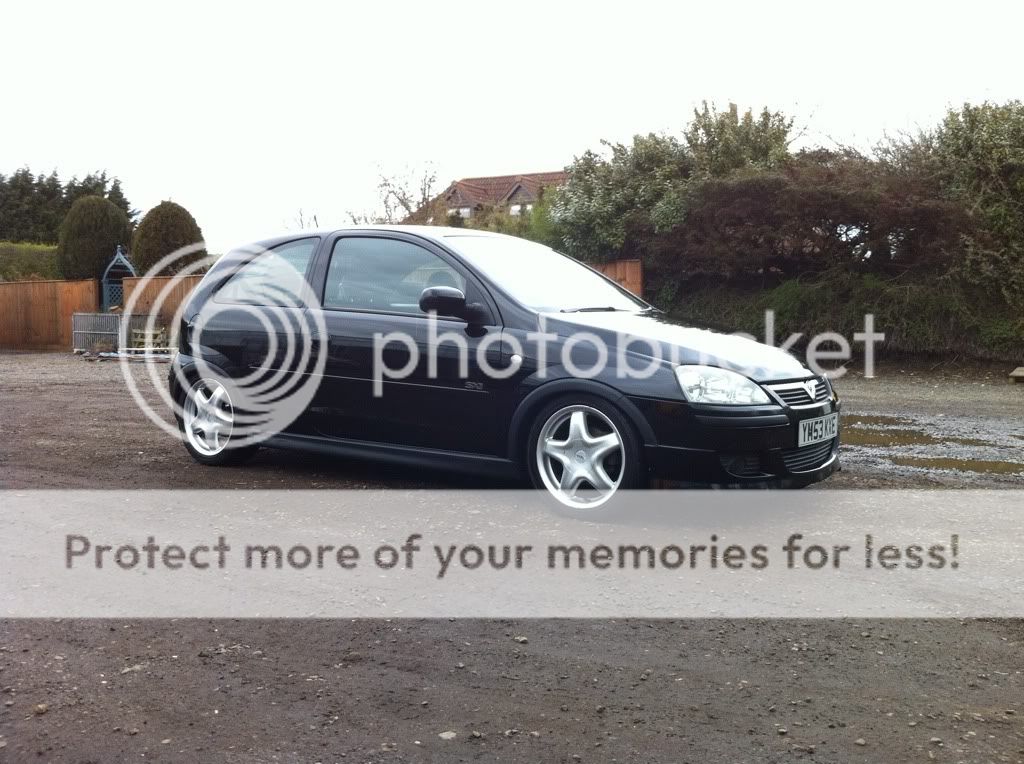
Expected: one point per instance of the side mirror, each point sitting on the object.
(445, 301)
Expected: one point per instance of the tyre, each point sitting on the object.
(582, 450)
(207, 422)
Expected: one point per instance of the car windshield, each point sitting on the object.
(539, 277)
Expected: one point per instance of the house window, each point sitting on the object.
(462, 212)
(529, 208)
(515, 209)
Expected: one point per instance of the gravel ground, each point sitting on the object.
(70, 424)
(954, 428)
(381, 691)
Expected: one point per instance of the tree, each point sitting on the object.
(165, 229)
(33, 206)
(50, 210)
(617, 205)
(722, 142)
(303, 222)
(404, 196)
(116, 195)
(613, 205)
(98, 184)
(411, 197)
(89, 236)
(976, 157)
(980, 150)
(20, 214)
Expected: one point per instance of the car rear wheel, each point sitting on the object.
(207, 423)
(582, 450)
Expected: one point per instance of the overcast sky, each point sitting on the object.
(246, 113)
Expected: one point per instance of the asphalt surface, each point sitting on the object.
(532, 690)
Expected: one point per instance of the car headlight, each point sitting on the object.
(709, 384)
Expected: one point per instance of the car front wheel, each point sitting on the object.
(582, 450)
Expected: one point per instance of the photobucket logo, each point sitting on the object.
(584, 354)
(827, 347)
(277, 370)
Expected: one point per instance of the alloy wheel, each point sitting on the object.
(208, 417)
(580, 456)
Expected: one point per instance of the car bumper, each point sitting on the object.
(725, 446)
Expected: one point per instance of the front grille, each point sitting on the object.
(807, 458)
(795, 394)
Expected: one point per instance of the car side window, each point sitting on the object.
(384, 275)
(274, 277)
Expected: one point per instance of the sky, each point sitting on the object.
(247, 113)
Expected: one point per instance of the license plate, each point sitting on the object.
(818, 429)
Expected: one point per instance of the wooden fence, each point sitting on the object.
(36, 315)
(629, 273)
(149, 293)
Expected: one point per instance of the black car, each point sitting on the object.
(459, 349)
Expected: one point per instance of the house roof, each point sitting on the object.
(498, 189)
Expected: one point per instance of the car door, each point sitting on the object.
(371, 289)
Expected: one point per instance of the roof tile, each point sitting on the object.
(497, 189)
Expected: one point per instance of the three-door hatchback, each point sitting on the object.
(457, 349)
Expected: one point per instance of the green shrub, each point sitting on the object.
(917, 318)
(27, 262)
(925, 232)
(165, 228)
(89, 236)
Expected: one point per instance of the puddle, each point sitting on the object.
(963, 465)
(968, 441)
(876, 420)
(865, 436)
(862, 436)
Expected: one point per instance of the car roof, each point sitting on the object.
(430, 232)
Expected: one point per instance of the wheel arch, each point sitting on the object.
(188, 369)
(522, 418)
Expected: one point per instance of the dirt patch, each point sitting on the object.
(587, 691)
(386, 691)
(69, 423)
